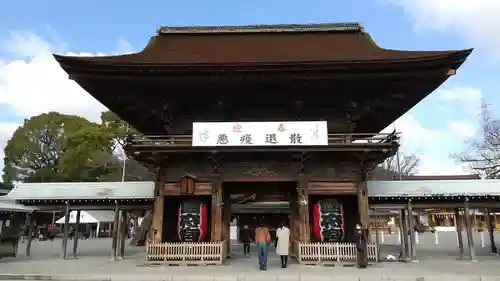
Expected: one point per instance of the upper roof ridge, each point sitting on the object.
(313, 27)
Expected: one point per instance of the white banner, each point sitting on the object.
(302, 133)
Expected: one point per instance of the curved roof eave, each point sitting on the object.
(75, 63)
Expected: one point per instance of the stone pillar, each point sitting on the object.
(157, 222)
(216, 214)
(489, 225)
(303, 209)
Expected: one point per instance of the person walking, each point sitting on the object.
(246, 240)
(262, 238)
(283, 245)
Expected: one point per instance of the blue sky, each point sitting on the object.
(31, 82)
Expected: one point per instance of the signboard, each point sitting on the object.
(302, 133)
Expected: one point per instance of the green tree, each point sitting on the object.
(6, 185)
(122, 131)
(56, 147)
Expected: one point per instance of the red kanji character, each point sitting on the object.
(281, 128)
(237, 128)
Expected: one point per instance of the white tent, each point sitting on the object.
(89, 217)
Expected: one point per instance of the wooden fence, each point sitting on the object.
(187, 253)
(331, 252)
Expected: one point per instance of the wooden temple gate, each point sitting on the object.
(261, 74)
(218, 248)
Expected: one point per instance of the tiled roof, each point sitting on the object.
(82, 190)
(321, 27)
(433, 188)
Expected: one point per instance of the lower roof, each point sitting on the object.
(82, 191)
(10, 206)
(433, 188)
(145, 190)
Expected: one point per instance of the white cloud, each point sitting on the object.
(461, 94)
(36, 83)
(463, 129)
(26, 44)
(40, 85)
(124, 47)
(477, 21)
(435, 146)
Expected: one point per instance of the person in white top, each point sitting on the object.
(283, 244)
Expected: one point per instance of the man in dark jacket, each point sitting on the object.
(246, 240)
(361, 246)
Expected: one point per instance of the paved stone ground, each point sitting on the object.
(445, 248)
(93, 263)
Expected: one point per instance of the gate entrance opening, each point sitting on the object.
(258, 203)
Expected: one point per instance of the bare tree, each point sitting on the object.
(389, 169)
(483, 154)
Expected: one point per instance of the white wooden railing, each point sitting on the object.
(331, 252)
(186, 253)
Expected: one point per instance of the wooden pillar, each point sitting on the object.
(116, 228)
(29, 224)
(77, 233)
(404, 234)
(157, 222)
(458, 229)
(66, 231)
(226, 219)
(216, 214)
(363, 206)
(468, 227)
(411, 227)
(489, 224)
(303, 209)
(123, 234)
